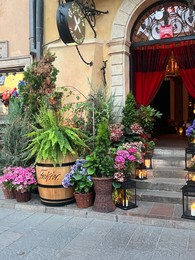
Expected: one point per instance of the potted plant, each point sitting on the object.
(190, 133)
(54, 143)
(82, 183)
(99, 165)
(6, 183)
(20, 179)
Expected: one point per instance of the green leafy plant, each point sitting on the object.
(14, 140)
(146, 117)
(101, 163)
(54, 137)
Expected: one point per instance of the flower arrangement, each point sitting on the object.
(19, 178)
(190, 131)
(7, 95)
(116, 132)
(78, 178)
(126, 159)
(136, 129)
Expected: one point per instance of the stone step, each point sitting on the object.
(166, 151)
(174, 197)
(168, 161)
(161, 184)
(169, 172)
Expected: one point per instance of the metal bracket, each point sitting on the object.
(103, 69)
(89, 11)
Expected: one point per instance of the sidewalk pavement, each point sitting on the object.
(151, 231)
(147, 213)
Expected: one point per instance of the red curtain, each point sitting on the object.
(149, 65)
(185, 57)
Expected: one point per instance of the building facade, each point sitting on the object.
(112, 36)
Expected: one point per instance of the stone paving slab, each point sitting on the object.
(149, 213)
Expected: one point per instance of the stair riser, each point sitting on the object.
(171, 152)
(158, 186)
(168, 163)
(159, 199)
(169, 174)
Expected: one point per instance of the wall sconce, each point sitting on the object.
(141, 172)
(188, 201)
(126, 198)
(148, 160)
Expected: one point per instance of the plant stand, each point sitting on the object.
(103, 194)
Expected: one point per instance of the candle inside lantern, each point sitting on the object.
(147, 163)
(140, 174)
(193, 209)
(125, 203)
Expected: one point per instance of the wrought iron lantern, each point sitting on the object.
(141, 172)
(148, 160)
(126, 198)
(190, 177)
(189, 157)
(188, 201)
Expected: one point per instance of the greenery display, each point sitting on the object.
(129, 113)
(54, 137)
(17, 125)
(39, 84)
(101, 163)
(146, 118)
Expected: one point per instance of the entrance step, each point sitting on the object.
(169, 172)
(166, 179)
(173, 197)
(165, 184)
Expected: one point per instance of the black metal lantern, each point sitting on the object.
(141, 172)
(188, 200)
(189, 154)
(148, 160)
(126, 198)
(190, 177)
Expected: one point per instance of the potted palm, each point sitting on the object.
(82, 183)
(54, 143)
(100, 165)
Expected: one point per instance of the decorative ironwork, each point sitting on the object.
(179, 14)
(103, 69)
(89, 11)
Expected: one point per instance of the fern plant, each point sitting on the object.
(53, 138)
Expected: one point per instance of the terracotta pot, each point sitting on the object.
(103, 194)
(84, 200)
(23, 197)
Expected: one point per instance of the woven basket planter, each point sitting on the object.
(103, 194)
(8, 194)
(23, 197)
(84, 200)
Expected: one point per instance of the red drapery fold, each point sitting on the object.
(185, 57)
(149, 70)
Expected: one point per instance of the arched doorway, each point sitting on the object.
(164, 35)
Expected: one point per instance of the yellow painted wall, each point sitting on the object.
(73, 71)
(14, 24)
